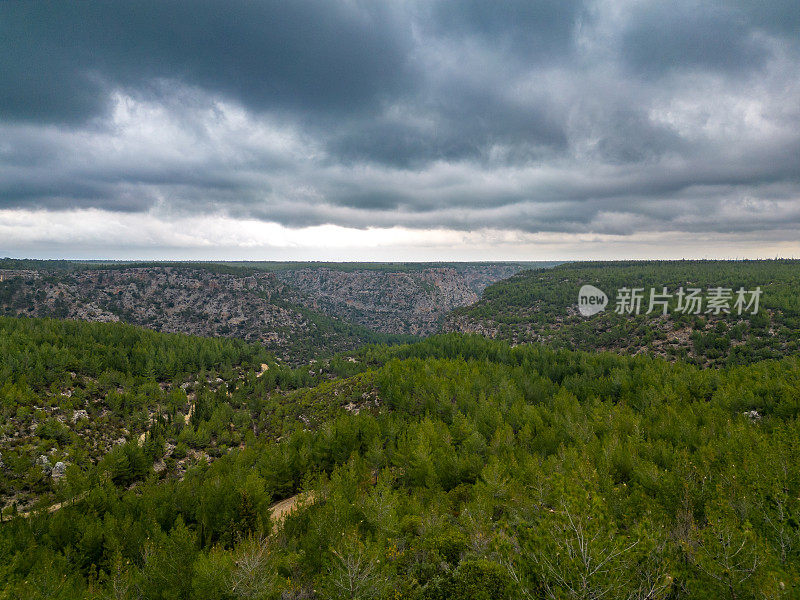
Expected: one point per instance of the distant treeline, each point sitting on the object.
(244, 267)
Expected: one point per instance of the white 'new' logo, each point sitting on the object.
(591, 300)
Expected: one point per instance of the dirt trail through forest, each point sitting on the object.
(280, 510)
(277, 512)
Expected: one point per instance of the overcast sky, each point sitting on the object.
(400, 130)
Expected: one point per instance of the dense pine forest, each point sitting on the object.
(137, 464)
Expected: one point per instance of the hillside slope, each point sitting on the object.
(298, 310)
(254, 306)
(542, 306)
(457, 467)
(399, 302)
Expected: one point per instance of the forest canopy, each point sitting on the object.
(456, 467)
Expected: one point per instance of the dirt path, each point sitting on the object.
(280, 510)
(277, 512)
(188, 416)
(50, 509)
(54, 507)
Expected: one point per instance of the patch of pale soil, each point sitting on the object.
(277, 512)
(54, 507)
(280, 510)
(188, 416)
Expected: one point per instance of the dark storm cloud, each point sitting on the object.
(685, 35)
(558, 115)
(777, 16)
(62, 57)
(528, 31)
(465, 128)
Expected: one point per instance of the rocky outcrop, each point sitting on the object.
(295, 312)
(401, 302)
(255, 307)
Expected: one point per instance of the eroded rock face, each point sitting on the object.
(280, 310)
(254, 307)
(403, 302)
(387, 302)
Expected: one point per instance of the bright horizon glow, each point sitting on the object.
(84, 235)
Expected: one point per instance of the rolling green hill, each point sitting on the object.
(541, 306)
(458, 467)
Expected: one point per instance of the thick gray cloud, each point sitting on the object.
(608, 116)
(61, 59)
(691, 35)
